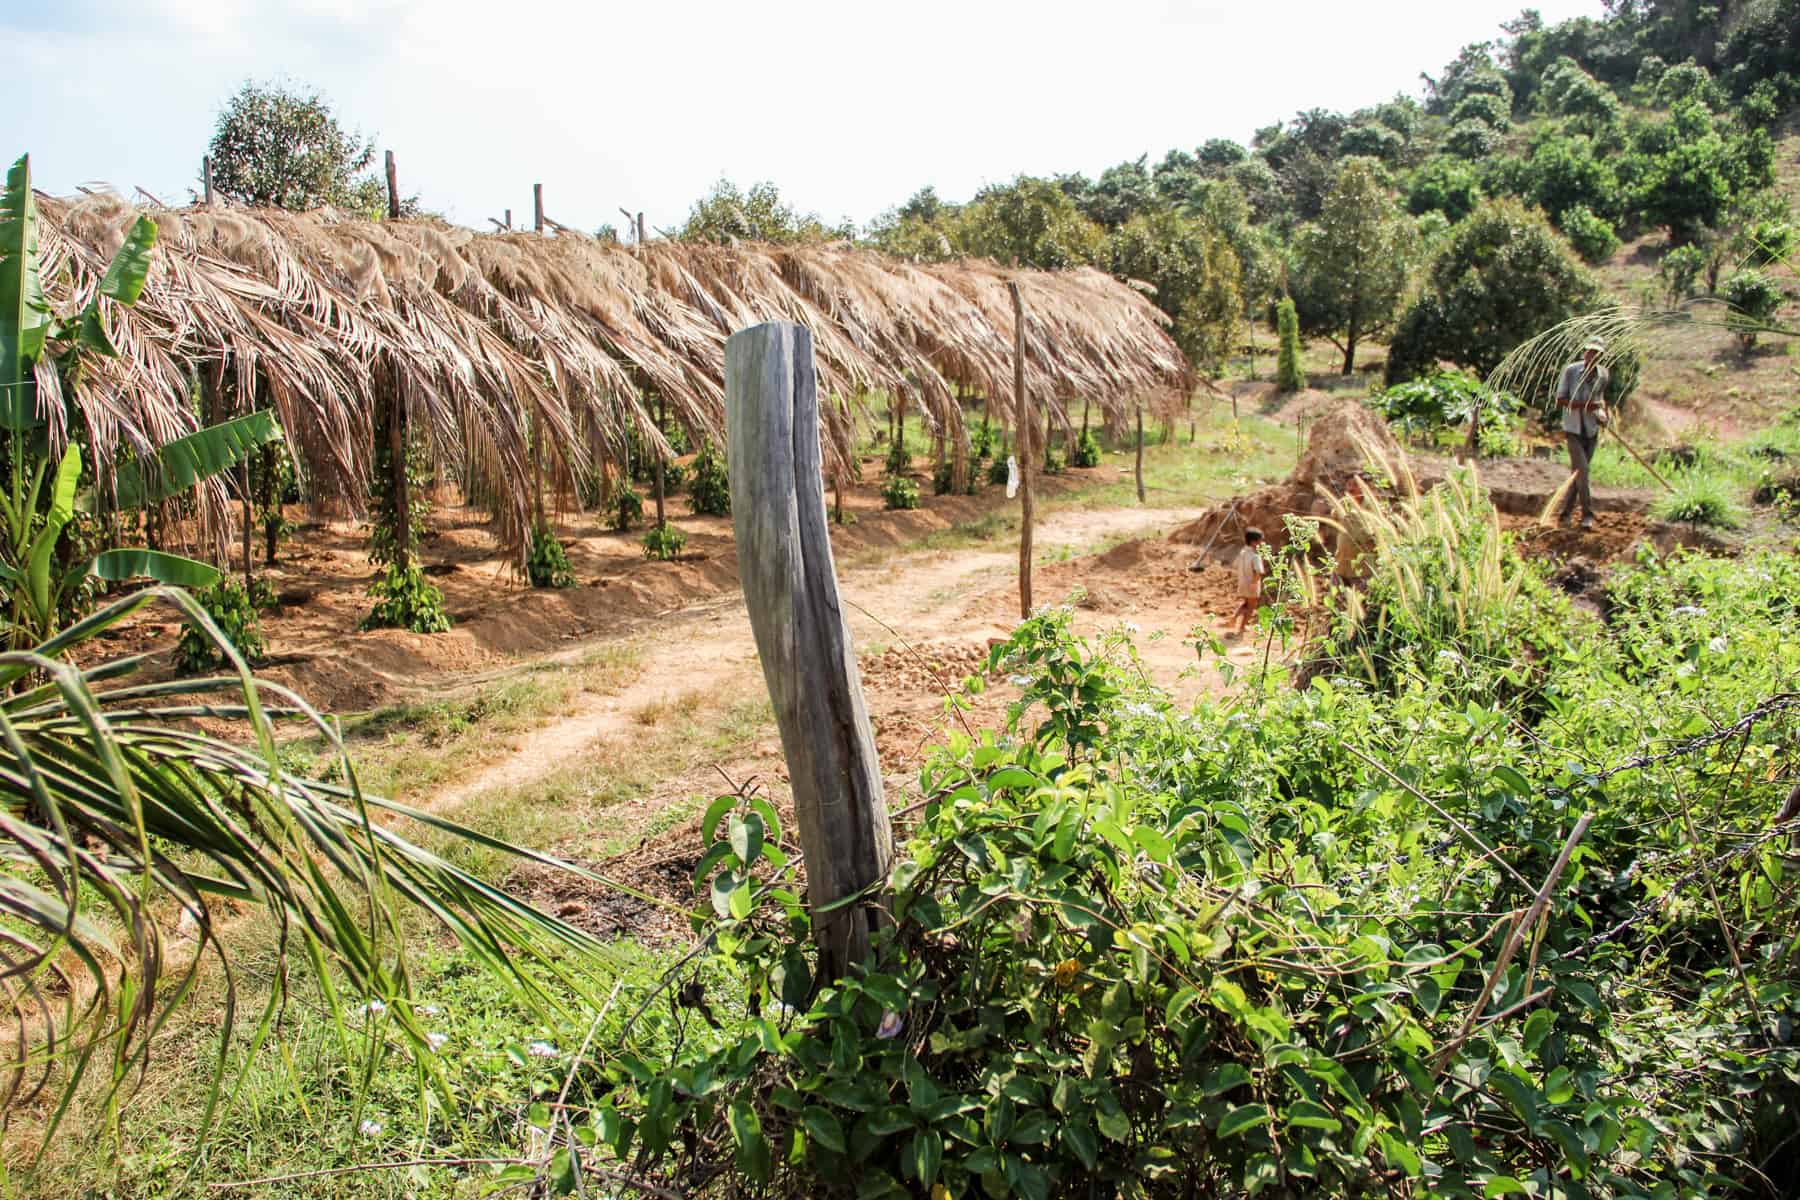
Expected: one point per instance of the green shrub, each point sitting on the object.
(405, 599)
(235, 612)
(1087, 450)
(1443, 399)
(899, 458)
(942, 479)
(1755, 298)
(982, 442)
(900, 492)
(998, 472)
(1053, 461)
(1472, 139)
(710, 493)
(1289, 375)
(1700, 498)
(548, 564)
(664, 543)
(628, 507)
(1592, 237)
(1680, 271)
(1446, 185)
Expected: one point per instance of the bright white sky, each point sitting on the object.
(848, 107)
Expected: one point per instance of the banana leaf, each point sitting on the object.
(24, 312)
(123, 282)
(133, 562)
(182, 463)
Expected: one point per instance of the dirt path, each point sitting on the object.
(923, 597)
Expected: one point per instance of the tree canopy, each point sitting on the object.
(281, 146)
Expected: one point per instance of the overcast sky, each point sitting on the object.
(848, 107)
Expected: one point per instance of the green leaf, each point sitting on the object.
(1309, 1115)
(747, 1133)
(1503, 1185)
(1079, 1137)
(746, 835)
(1244, 1116)
(823, 1128)
(43, 547)
(1223, 1078)
(24, 312)
(928, 1156)
(715, 812)
(180, 464)
(125, 275)
(132, 562)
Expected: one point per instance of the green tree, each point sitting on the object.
(728, 214)
(1755, 298)
(1121, 193)
(1592, 236)
(1290, 376)
(922, 229)
(1504, 276)
(1030, 222)
(282, 147)
(1196, 276)
(1687, 170)
(1351, 266)
(1568, 172)
(1443, 184)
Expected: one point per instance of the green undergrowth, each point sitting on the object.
(1291, 942)
(1732, 470)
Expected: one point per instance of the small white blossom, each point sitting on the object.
(374, 1008)
(541, 1050)
(370, 1129)
(1019, 680)
(428, 1010)
(1688, 610)
(1718, 645)
(1140, 710)
(1129, 626)
(436, 1040)
(890, 1026)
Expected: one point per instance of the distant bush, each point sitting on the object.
(1372, 141)
(1592, 236)
(628, 507)
(1680, 271)
(548, 564)
(1289, 375)
(234, 611)
(1754, 298)
(900, 492)
(1444, 399)
(1769, 241)
(710, 492)
(1472, 139)
(997, 471)
(943, 478)
(1087, 450)
(1444, 185)
(1053, 461)
(405, 599)
(1485, 107)
(664, 543)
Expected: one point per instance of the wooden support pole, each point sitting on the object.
(393, 184)
(537, 207)
(661, 417)
(509, 218)
(1140, 453)
(397, 473)
(206, 178)
(640, 229)
(790, 588)
(1022, 423)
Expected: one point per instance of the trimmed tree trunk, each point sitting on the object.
(809, 664)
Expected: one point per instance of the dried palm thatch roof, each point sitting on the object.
(486, 337)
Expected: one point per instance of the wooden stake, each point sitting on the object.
(509, 218)
(206, 177)
(809, 664)
(393, 182)
(661, 417)
(1023, 424)
(640, 228)
(1140, 453)
(537, 207)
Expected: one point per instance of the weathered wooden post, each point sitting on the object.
(1022, 423)
(1140, 453)
(206, 178)
(537, 207)
(393, 186)
(790, 588)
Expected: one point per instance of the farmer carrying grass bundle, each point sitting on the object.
(1581, 394)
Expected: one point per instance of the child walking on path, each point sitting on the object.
(1250, 571)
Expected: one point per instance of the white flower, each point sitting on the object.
(1718, 645)
(370, 1129)
(1129, 626)
(374, 1008)
(1688, 610)
(428, 1010)
(890, 1026)
(1140, 710)
(1019, 680)
(541, 1050)
(436, 1040)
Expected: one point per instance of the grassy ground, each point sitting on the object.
(318, 1100)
